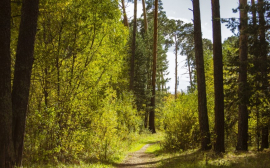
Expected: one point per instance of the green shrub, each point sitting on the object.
(181, 122)
(83, 133)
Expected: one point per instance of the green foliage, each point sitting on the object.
(86, 135)
(255, 94)
(79, 107)
(181, 122)
(181, 116)
(143, 65)
(231, 64)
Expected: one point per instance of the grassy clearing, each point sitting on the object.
(155, 149)
(146, 138)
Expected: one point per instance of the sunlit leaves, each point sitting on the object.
(80, 59)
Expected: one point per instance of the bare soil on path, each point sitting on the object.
(139, 159)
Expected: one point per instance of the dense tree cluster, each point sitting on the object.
(79, 77)
(237, 80)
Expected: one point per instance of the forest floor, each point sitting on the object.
(139, 159)
(149, 153)
(152, 156)
(142, 154)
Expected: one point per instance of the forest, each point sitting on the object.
(82, 84)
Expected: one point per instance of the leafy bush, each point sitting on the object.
(181, 122)
(82, 135)
(78, 106)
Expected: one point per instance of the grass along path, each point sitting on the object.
(200, 159)
(139, 159)
(138, 156)
(148, 152)
(152, 155)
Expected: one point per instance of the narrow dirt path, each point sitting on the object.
(139, 159)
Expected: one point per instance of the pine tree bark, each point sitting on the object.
(190, 73)
(144, 16)
(6, 146)
(153, 98)
(265, 133)
(149, 75)
(257, 85)
(124, 13)
(218, 78)
(263, 57)
(175, 91)
(202, 104)
(254, 22)
(22, 74)
(149, 78)
(243, 52)
(131, 84)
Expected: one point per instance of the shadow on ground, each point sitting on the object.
(137, 165)
(199, 159)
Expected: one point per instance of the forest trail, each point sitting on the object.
(139, 159)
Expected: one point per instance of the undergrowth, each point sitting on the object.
(134, 143)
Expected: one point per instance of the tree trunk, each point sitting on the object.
(6, 146)
(144, 16)
(149, 90)
(190, 73)
(149, 75)
(146, 119)
(263, 55)
(158, 80)
(22, 74)
(153, 98)
(131, 84)
(265, 133)
(125, 14)
(253, 13)
(202, 104)
(175, 91)
(218, 79)
(257, 85)
(243, 52)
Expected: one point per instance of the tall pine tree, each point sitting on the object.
(218, 78)
(202, 104)
(242, 108)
